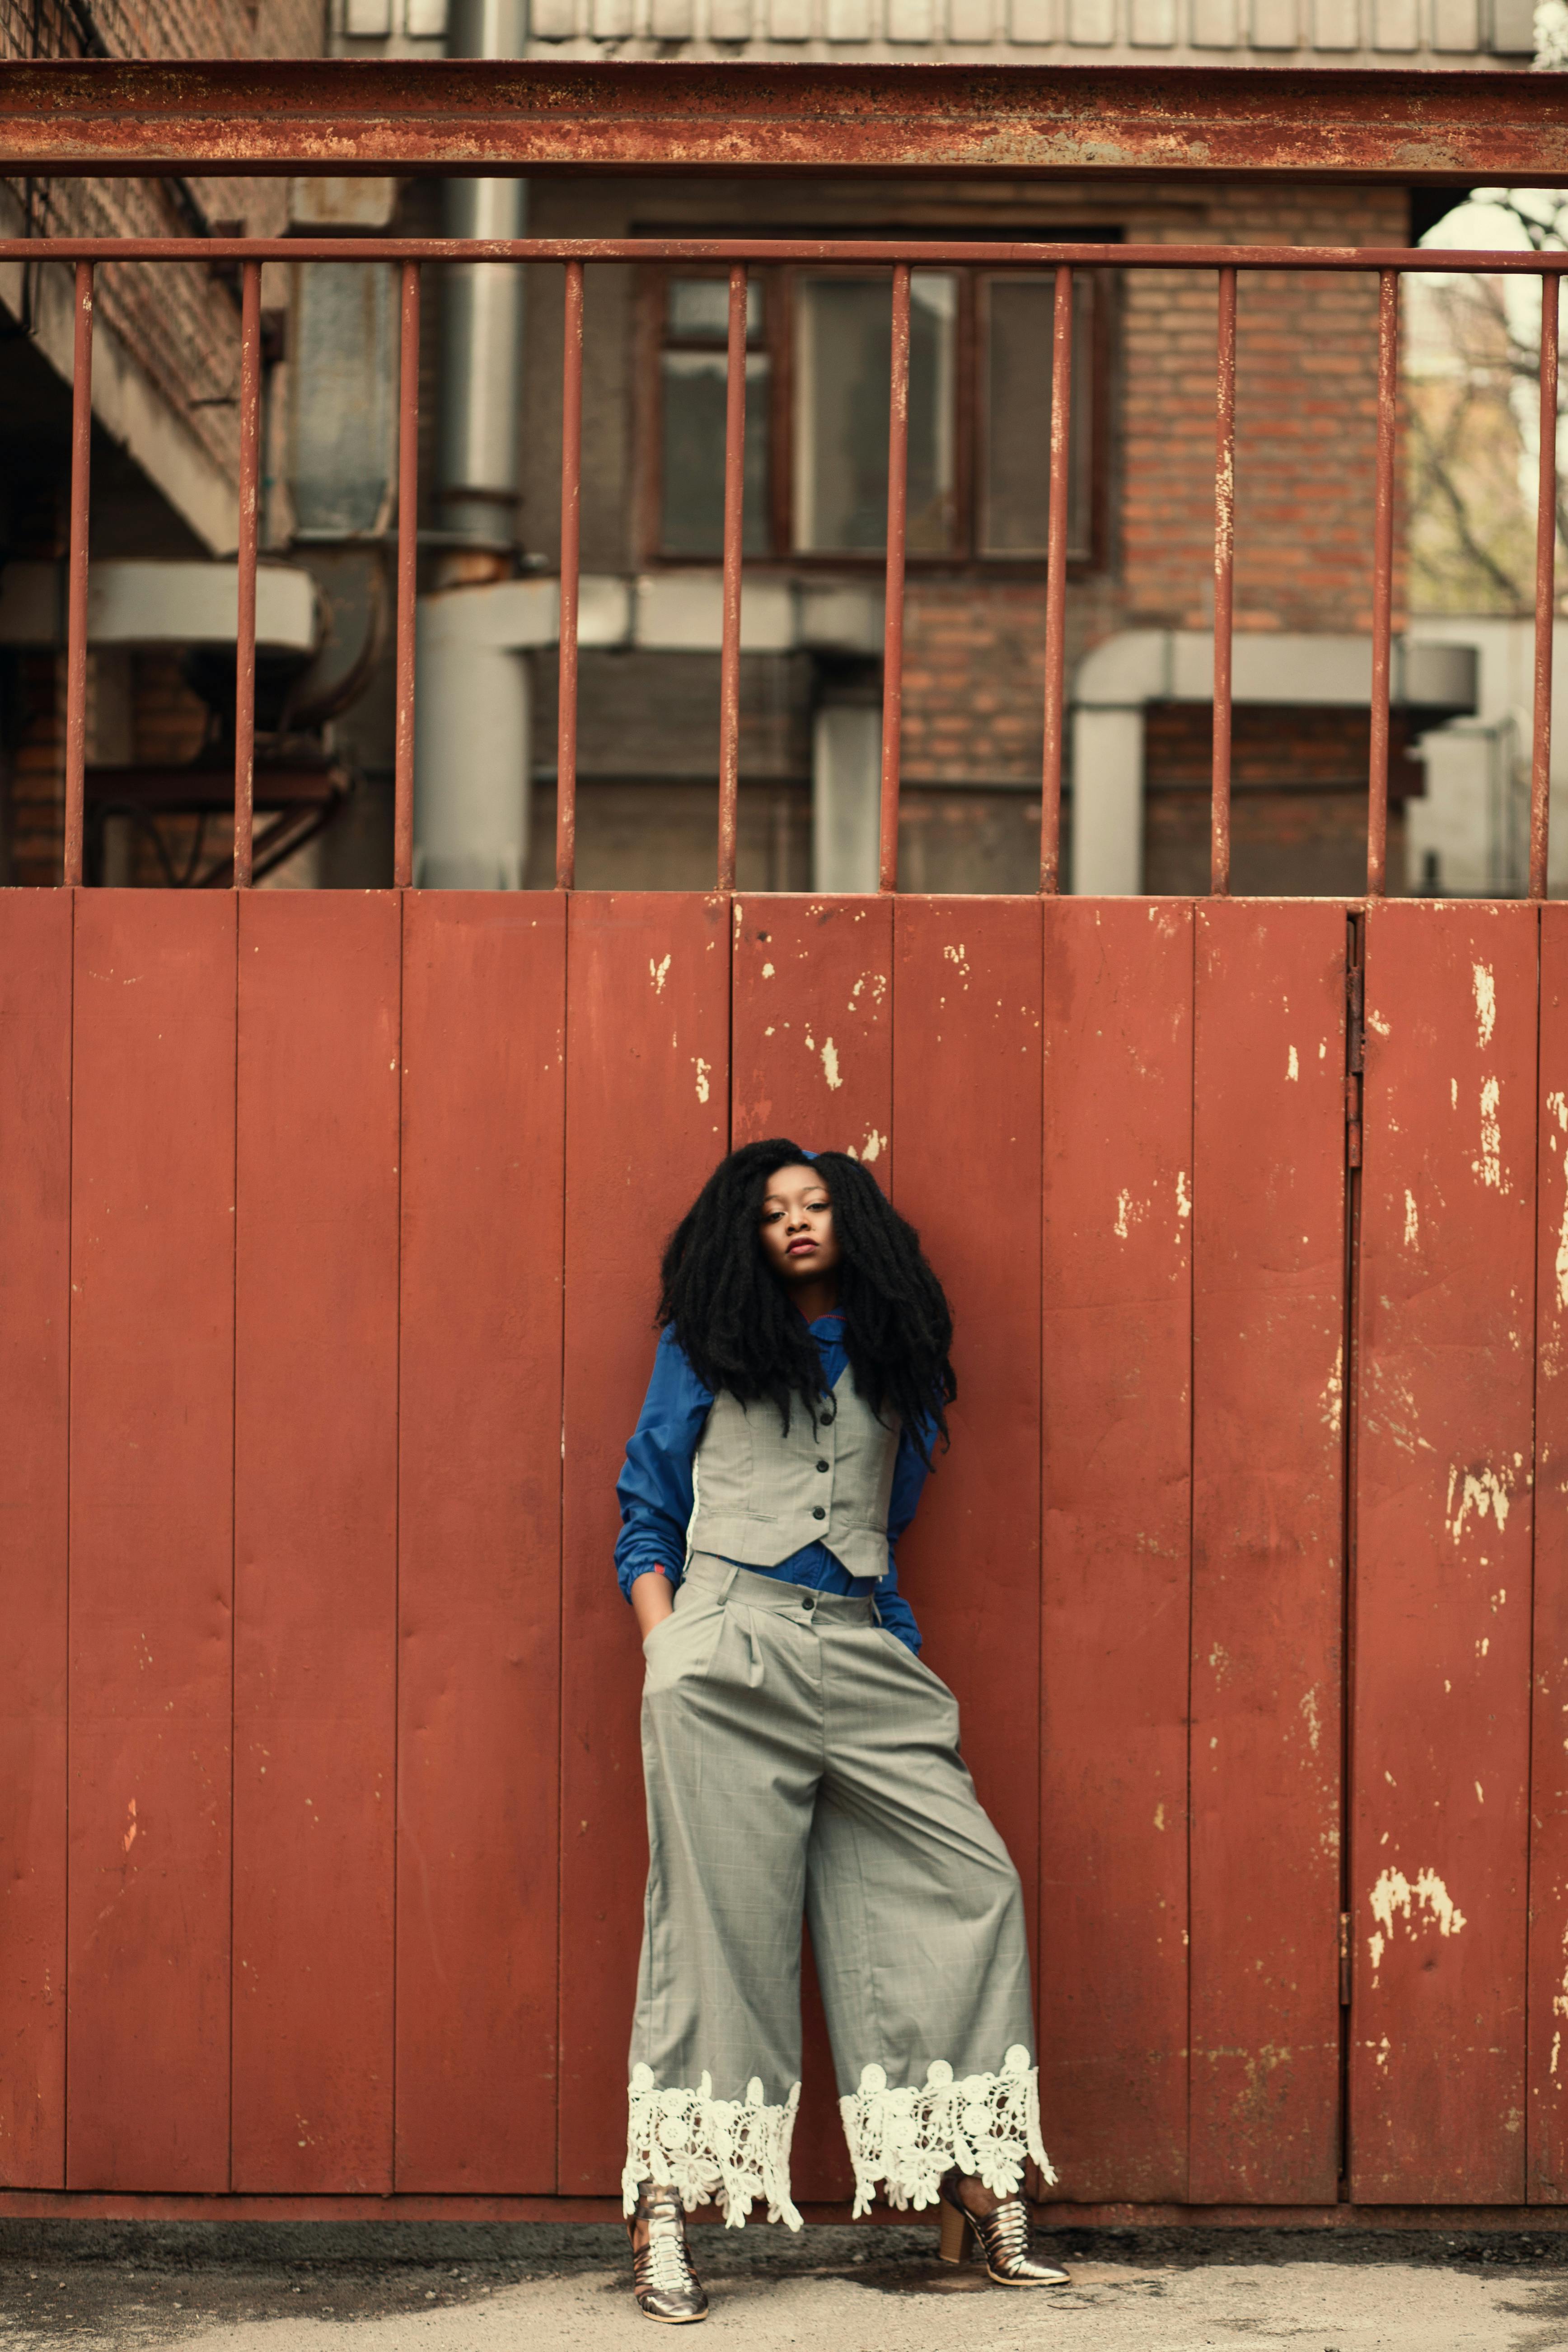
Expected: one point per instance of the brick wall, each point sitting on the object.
(1306, 418)
(973, 669)
(180, 324)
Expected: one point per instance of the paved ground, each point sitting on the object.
(412, 2288)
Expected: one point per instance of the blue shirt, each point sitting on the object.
(657, 1493)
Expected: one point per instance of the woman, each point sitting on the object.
(796, 1752)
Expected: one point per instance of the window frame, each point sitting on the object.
(778, 283)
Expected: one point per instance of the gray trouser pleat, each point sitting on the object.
(799, 1757)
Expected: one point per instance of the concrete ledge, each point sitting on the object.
(680, 612)
(159, 604)
(1139, 665)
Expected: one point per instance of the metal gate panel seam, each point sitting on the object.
(1267, 1427)
(967, 1059)
(1546, 1986)
(152, 1540)
(647, 1116)
(35, 1374)
(812, 1013)
(480, 1553)
(1116, 1544)
(315, 1540)
(1439, 1831)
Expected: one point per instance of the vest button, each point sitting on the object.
(824, 1466)
(819, 1513)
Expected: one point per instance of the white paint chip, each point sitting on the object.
(830, 1063)
(1293, 1066)
(659, 974)
(1412, 1222)
(1427, 1902)
(1483, 1491)
(1485, 991)
(702, 1069)
(1488, 1167)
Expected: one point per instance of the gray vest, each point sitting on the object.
(761, 1494)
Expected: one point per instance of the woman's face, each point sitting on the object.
(796, 1226)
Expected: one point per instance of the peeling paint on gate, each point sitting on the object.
(1424, 1903)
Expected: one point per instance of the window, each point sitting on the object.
(819, 342)
(692, 377)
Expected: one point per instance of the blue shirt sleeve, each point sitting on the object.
(908, 1482)
(655, 1485)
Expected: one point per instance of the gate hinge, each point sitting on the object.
(1344, 1959)
(1355, 1057)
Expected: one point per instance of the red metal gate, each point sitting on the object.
(327, 1233)
(327, 1262)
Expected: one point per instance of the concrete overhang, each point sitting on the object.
(661, 612)
(158, 604)
(1117, 679)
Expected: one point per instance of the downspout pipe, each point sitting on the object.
(472, 726)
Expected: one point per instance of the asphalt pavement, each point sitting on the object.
(411, 2287)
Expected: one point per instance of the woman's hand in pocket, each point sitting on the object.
(653, 1598)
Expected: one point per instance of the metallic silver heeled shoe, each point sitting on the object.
(663, 2281)
(1004, 2237)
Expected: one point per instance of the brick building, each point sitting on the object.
(1140, 521)
(164, 451)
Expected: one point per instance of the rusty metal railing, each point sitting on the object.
(1389, 265)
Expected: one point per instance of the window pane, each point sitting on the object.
(693, 467)
(1015, 463)
(699, 310)
(845, 336)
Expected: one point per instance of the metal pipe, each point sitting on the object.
(1546, 593)
(407, 574)
(1056, 585)
(1223, 582)
(474, 733)
(481, 333)
(893, 614)
(1382, 580)
(571, 560)
(244, 631)
(734, 516)
(481, 361)
(76, 609)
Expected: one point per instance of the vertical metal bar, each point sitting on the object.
(893, 617)
(1545, 590)
(729, 654)
(1223, 582)
(407, 575)
(1382, 579)
(244, 633)
(571, 548)
(1057, 586)
(76, 620)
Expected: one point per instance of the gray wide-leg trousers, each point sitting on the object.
(798, 1755)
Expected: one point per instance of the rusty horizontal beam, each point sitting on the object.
(1433, 261)
(456, 116)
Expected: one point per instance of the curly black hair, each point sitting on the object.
(740, 1329)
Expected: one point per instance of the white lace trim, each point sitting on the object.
(726, 2151)
(986, 2124)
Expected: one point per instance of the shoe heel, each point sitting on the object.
(955, 2245)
